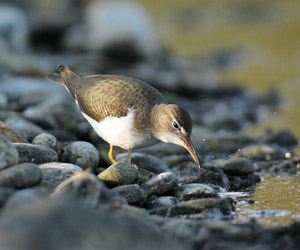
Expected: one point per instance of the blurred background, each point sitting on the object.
(242, 43)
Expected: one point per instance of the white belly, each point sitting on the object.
(118, 132)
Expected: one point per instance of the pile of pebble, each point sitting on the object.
(57, 187)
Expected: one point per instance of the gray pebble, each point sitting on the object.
(27, 195)
(163, 201)
(235, 166)
(35, 153)
(56, 172)
(82, 154)
(21, 176)
(47, 140)
(119, 174)
(23, 127)
(133, 193)
(160, 184)
(147, 162)
(5, 193)
(8, 153)
(212, 205)
(194, 191)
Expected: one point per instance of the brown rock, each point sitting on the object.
(11, 134)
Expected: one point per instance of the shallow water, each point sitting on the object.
(276, 201)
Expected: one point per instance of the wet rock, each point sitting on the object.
(26, 196)
(121, 37)
(133, 193)
(54, 113)
(5, 193)
(8, 153)
(163, 201)
(263, 152)
(235, 166)
(194, 191)
(23, 127)
(189, 173)
(47, 140)
(277, 167)
(224, 206)
(119, 174)
(160, 184)
(83, 186)
(283, 138)
(35, 153)
(21, 176)
(11, 134)
(81, 227)
(82, 154)
(56, 172)
(147, 162)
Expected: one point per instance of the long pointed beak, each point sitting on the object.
(190, 147)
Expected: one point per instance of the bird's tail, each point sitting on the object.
(66, 78)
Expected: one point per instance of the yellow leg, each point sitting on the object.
(111, 154)
(129, 156)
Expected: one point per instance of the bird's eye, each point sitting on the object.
(175, 125)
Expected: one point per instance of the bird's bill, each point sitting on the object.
(191, 149)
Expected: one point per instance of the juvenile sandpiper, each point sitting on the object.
(127, 112)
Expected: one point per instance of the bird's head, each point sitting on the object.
(173, 124)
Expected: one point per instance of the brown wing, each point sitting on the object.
(103, 96)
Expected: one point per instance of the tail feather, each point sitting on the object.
(55, 78)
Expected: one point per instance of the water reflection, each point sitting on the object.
(276, 201)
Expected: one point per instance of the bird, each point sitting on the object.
(127, 112)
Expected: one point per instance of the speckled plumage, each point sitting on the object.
(127, 112)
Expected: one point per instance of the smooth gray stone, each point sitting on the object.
(235, 166)
(8, 153)
(61, 224)
(47, 140)
(82, 154)
(35, 153)
(145, 161)
(23, 127)
(194, 191)
(133, 193)
(119, 174)
(26, 196)
(21, 176)
(160, 184)
(56, 172)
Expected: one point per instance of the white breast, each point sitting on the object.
(118, 131)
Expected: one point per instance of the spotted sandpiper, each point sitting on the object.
(127, 112)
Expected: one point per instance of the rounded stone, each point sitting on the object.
(82, 154)
(21, 176)
(47, 140)
(23, 127)
(55, 173)
(11, 134)
(236, 166)
(147, 162)
(8, 153)
(35, 153)
(194, 191)
(133, 193)
(119, 174)
(160, 184)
